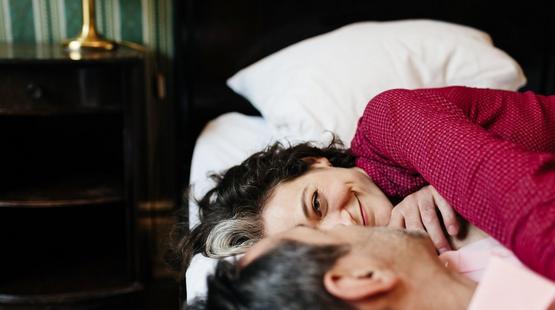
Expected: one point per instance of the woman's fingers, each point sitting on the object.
(412, 217)
(418, 212)
(447, 213)
(406, 215)
(396, 220)
(433, 227)
(431, 221)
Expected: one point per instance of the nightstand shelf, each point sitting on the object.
(62, 159)
(69, 191)
(73, 172)
(94, 264)
(33, 110)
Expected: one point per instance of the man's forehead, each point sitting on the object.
(299, 233)
(257, 250)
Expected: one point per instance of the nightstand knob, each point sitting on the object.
(34, 91)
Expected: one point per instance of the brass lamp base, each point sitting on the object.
(89, 38)
(97, 44)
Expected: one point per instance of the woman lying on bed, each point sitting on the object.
(408, 144)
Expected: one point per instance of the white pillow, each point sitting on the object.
(324, 83)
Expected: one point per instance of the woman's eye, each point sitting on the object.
(316, 204)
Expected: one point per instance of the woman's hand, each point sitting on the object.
(418, 212)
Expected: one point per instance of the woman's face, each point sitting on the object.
(326, 196)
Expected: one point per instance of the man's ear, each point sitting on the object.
(356, 285)
(317, 162)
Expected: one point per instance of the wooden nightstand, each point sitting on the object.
(72, 165)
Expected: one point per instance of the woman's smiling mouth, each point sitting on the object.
(362, 213)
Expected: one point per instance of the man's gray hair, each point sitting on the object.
(290, 276)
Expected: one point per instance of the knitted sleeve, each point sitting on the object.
(490, 153)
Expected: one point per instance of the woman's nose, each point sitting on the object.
(339, 217)
(339, 197)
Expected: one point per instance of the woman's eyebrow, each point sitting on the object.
(303, 203)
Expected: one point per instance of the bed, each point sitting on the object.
(242, 82)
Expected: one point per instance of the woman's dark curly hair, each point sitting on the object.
(230, 213)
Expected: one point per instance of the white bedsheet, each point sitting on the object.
(224, 142)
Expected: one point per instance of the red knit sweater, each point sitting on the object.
(490, 153)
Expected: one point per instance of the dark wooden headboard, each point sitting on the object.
(216, 38)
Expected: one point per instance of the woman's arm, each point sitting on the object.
(480, 149)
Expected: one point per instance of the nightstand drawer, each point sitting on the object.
(52, 89)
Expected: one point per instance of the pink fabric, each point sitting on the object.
(504, 283)
(490, 153)
(472, 260)
(506, 286)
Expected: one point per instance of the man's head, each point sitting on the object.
(273, 280)
(347, 266)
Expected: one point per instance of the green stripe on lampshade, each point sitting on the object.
(161, 24)
(165, 27)
(40, 21)
(108, 12)
(22, 20)
(57, 20)
(74, 17)
(99, 21)
(3, 28)
(149, 23)
(131, 21)
(116, 23)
